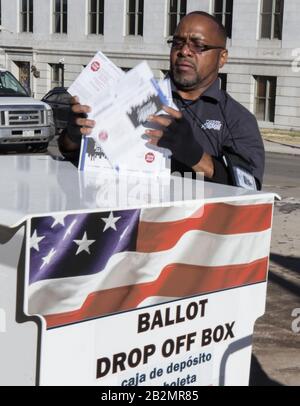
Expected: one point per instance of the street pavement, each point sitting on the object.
(282, 147)
(276, 347)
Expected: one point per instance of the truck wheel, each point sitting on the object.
(39, 147)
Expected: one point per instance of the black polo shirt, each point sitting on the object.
(219, 121)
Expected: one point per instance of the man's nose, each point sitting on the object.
(185, 50)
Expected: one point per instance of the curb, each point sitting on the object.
(281, 147)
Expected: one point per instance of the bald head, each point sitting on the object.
(217, 28)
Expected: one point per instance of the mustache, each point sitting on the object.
(180, 60)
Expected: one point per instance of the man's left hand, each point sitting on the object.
(176, 135)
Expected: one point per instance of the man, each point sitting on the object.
(209, 124)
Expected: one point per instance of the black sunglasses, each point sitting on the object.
(194, 45)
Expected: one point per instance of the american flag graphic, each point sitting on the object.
(89, 265)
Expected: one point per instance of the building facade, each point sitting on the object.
(46, 43)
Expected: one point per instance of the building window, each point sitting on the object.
(223, 81)
(223, 12)
(24, 74)
(26, 15)
(271, 19)
(265, 97)
(135, 17)
(57, 75)
(177, 10)
(96, 13)
(60, 16)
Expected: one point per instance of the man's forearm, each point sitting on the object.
(69, 149)
(214, 169)
(66, 144)
(205, 165)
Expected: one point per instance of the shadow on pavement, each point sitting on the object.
(290, 263)
(258, 377)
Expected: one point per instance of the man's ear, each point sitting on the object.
(223, 58)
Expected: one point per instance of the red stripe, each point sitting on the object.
(176, 280)
(217, 218)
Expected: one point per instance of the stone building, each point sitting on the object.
(46, 43)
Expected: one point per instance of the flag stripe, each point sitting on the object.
(182, 210)
(252, 202)
(127, 268)
(160, 236)
(175, 280)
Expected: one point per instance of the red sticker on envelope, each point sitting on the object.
(103, 136)
(150, 157)
(95, 66)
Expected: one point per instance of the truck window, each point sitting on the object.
(9, 86)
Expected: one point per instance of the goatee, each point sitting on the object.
(183, 83)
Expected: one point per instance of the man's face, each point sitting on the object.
(191, 70)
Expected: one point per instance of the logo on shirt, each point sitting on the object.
(212, 125)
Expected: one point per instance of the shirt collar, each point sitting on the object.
(213, 92)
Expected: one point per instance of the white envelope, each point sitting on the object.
(120, 106)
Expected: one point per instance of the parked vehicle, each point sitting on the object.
(59, 100)
(24, 121)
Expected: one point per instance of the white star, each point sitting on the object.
(35, 240)
(69, 230)
(83, 245)
(58, 219)
(48, 258)
(110, 222)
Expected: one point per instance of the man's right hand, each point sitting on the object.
(79, 124)
(78, 117)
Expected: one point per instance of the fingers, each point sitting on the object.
(165, 120)
(85, 130)
(79, 108)
(74, 100)
(86, 126)
(162, 120)
(154, 135)
(153, 141)
(85, 122)
(172, 112)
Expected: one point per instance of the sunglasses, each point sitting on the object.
(195, 45)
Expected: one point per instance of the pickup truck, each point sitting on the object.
(24, 121)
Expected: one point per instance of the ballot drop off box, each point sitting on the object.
(105, 283)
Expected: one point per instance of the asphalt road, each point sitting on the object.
(282, 173)
(276, 343)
